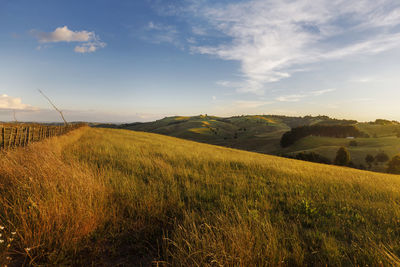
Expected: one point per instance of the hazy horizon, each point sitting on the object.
(128, 61)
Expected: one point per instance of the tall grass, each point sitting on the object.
(106, 197)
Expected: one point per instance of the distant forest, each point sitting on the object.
(338, 131)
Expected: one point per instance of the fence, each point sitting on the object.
(13, 135)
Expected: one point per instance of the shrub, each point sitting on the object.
(394, 165)
(381, 157)
(369, 159)
(342, 157)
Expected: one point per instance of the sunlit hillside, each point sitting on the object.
(262, 134)
(108, 197)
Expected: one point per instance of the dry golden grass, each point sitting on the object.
(106, 197)
(52, 205)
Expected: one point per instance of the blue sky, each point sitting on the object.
(122, 61)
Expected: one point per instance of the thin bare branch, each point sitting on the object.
(54, 106)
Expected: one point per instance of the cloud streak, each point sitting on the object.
(271, 38)
(158, 33)
(90, 42)
(300, 96)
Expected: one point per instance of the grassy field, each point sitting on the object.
(262, 134)
(117, 197)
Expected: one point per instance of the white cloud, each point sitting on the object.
(90, 41)
(271, 38)
(63, 34)
(88, 47)
(321, 92)
(291, 98)
(228, 83)
(214, 98)
(13, 103)
(298, 97)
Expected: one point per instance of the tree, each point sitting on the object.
(381, 157)
(394, 165)
(369, 159)
(342, 157)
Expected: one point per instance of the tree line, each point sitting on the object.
(338, 131)
(343, 158)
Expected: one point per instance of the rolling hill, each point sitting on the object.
(262, 134)
(114, 197)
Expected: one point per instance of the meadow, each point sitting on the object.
(117, 197)
(262, 134)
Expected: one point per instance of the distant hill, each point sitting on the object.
(259, 133)
(263, 133)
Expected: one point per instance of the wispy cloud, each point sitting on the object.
(13, 103)
(300, 96)
(291, 98)
(272, 38)
(90, 42)
(322, 92)
(161, 33)
(199, 30)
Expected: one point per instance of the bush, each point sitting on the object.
(381, 157)
(342, 157)
(369, 159)
(394, 165)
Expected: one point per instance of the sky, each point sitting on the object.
(141, 60)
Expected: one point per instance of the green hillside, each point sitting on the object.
(115, 197)
(262, 133)
(259, 133)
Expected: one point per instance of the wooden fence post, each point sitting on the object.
(10, 137)
(3, 136)
(16, 136)
(27, 135)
